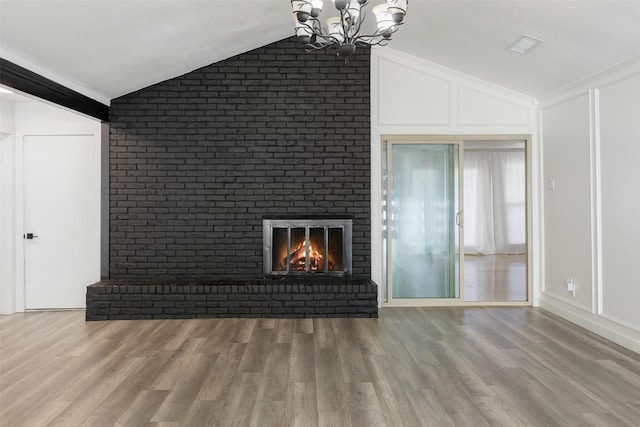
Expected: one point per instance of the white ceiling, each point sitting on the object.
(108, 48)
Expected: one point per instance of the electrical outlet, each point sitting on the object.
(571, 286)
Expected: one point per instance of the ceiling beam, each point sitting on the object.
(26, 81)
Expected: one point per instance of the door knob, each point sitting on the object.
(30, 236)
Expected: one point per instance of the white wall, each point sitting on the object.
(567, 208)
(7, 207)
(20, 119)
(42, 116)
(410, 96)
(591, 145)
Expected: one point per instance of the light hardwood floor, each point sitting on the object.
(410, 367)
(495, 278)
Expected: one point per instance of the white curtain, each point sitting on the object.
(494, 201)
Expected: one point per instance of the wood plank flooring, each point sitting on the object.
(411, 367)
(495, 277)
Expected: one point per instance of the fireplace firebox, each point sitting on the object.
(307, 246)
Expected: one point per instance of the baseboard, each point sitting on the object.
(620, 334)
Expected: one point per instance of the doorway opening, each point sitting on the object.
(456, 220)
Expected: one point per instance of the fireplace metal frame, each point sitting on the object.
(346, 224)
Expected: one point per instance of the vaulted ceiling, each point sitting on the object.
(107, 48)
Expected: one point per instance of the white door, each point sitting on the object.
(61, 219)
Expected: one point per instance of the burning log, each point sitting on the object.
(297, 254)
(297, 258)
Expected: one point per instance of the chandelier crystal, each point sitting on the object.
(344, 32)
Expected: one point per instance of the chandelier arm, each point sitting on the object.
(310, 47)
(328, 39)
(320, 32)
(358, 24)
(381, 42)
(316, 28)
(361, 18)
(344, 13)
(379, 33)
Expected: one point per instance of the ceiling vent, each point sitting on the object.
(524, 44)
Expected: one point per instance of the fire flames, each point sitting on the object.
(298, 254)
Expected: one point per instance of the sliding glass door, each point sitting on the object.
(455, 221)
(423, 220)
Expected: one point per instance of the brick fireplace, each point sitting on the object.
(196, 163)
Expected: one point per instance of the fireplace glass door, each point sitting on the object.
(307, 246)
(423, 217)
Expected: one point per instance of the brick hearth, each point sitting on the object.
(181, 299)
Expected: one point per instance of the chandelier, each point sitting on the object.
(344, 32)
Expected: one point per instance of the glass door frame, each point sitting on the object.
(387, 299)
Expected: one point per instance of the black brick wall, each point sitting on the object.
(197, 161)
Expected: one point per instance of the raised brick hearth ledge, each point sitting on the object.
(188, 299)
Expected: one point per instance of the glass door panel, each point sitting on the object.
(423, 216)
(495, 232)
